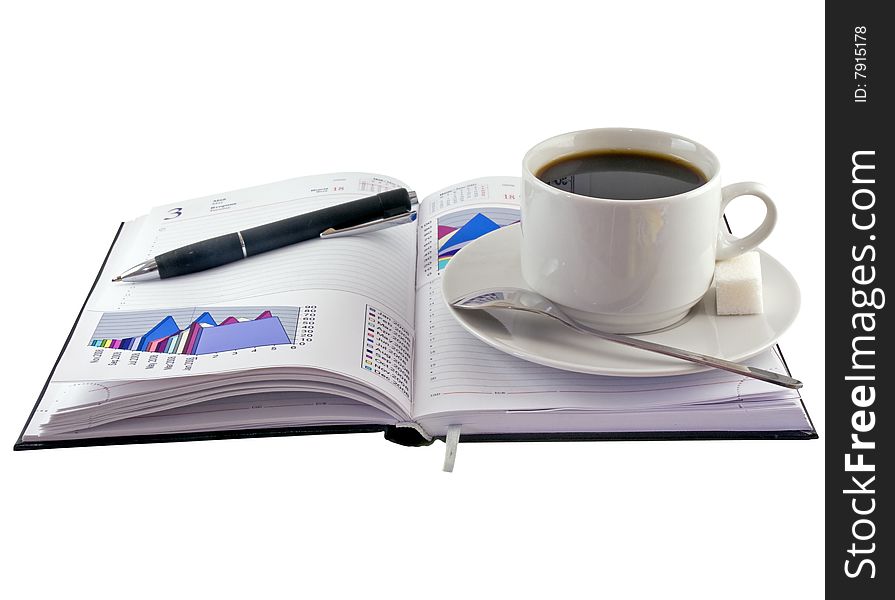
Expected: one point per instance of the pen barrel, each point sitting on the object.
(224, 249)
(310, 225)
(207, 254)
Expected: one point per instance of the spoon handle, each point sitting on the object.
(696, 357)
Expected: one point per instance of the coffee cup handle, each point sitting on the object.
(730, 246)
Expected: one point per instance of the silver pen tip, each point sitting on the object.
(148, 269)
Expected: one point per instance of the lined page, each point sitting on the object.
(461, 373)
(378, 265)
(456, 372)
(342, 305)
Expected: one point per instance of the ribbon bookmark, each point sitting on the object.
(451, 440)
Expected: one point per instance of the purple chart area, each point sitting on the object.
(197, 330)
(244, 334)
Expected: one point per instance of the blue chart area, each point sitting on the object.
(196, 331)
(457, 229)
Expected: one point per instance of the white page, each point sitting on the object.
(374, 265)
(74, 406)
(260, 410)
(454, 372)
(325, 295)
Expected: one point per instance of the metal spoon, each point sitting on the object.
(532, 302)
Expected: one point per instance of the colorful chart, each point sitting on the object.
(456, 230)
(387, 349)
(214, 330)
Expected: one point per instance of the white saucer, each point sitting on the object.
(493, 261)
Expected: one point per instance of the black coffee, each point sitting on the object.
(622, 175)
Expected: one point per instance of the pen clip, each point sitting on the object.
(399, 219)
(407, 217)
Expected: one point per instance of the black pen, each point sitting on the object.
(393, 207)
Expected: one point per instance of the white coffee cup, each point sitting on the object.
(629, 266)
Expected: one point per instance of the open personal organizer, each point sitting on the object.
(349, 334)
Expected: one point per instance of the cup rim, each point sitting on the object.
(547, 187)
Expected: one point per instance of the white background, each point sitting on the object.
(107, 110)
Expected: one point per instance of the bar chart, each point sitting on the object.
(196, 331)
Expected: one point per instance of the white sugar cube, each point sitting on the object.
(738, 285)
